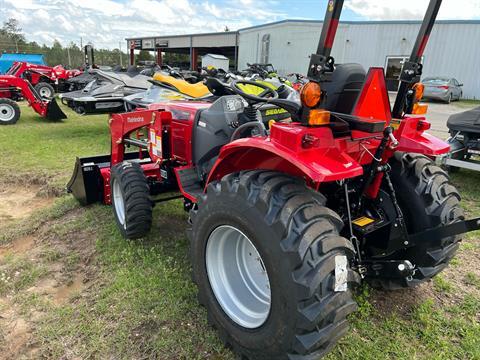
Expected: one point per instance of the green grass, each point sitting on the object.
(466, 103)
(18, 273)
(140, 301)
(442, 285)
(470, 101)
(472, 279)
(146, 304)
(41, 148)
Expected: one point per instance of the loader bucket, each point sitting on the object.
(54, 112)
(86, 183)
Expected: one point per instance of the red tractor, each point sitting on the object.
(16, 88)
(45, 79)
(285, 222)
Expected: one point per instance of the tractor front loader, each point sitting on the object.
(285, 222)
(20, 88)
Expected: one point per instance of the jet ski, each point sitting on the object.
(105, 93)
(78, 82)
(167, 88)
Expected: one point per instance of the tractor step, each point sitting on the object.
(190, 182)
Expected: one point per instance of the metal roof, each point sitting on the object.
(367, 22)
(216, 56)
(184, 35)
(33, 58)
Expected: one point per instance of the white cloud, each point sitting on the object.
(413, 9)
(106, 22)
(41, 14)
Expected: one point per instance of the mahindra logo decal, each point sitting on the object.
(134, 119)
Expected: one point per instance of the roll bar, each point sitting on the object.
(321, 63)
(412, 69)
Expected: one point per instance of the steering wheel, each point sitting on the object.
(254, 98)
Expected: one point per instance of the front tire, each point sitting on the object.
(131, 201)
(427, 200)
(9, 112)
(45, 90)
(283, 230)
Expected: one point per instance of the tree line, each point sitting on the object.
(12, 40)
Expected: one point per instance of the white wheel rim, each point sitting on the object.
(238, 277)
(118, 202)
(7, 112)
(45, 92)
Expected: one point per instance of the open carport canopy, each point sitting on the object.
(222, 43)
(467, 121)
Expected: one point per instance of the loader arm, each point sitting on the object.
(45, 108)
(412, 69)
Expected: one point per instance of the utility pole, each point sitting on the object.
(81, 42)
(69, 59)
(120, 48)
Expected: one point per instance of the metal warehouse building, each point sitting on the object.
(452, 51)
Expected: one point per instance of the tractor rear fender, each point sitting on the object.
(288, 150)
(412, 138)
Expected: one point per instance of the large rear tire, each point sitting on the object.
(427, 199)
(266, 256)
(9, 111)
(45, 90)
(131, 201)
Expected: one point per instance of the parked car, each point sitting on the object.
(442, 88)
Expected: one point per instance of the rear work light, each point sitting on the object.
(311, 94)
(423, 125)
(318, 117)
(419, 109)
(418, 88)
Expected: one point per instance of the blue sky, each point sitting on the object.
(105, 23)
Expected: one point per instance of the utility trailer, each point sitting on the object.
(284, 223)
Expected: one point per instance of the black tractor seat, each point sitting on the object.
(342, 93)
(344, 88)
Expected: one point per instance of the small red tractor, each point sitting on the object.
(283, 223)
(45, 79)
(15, 88)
